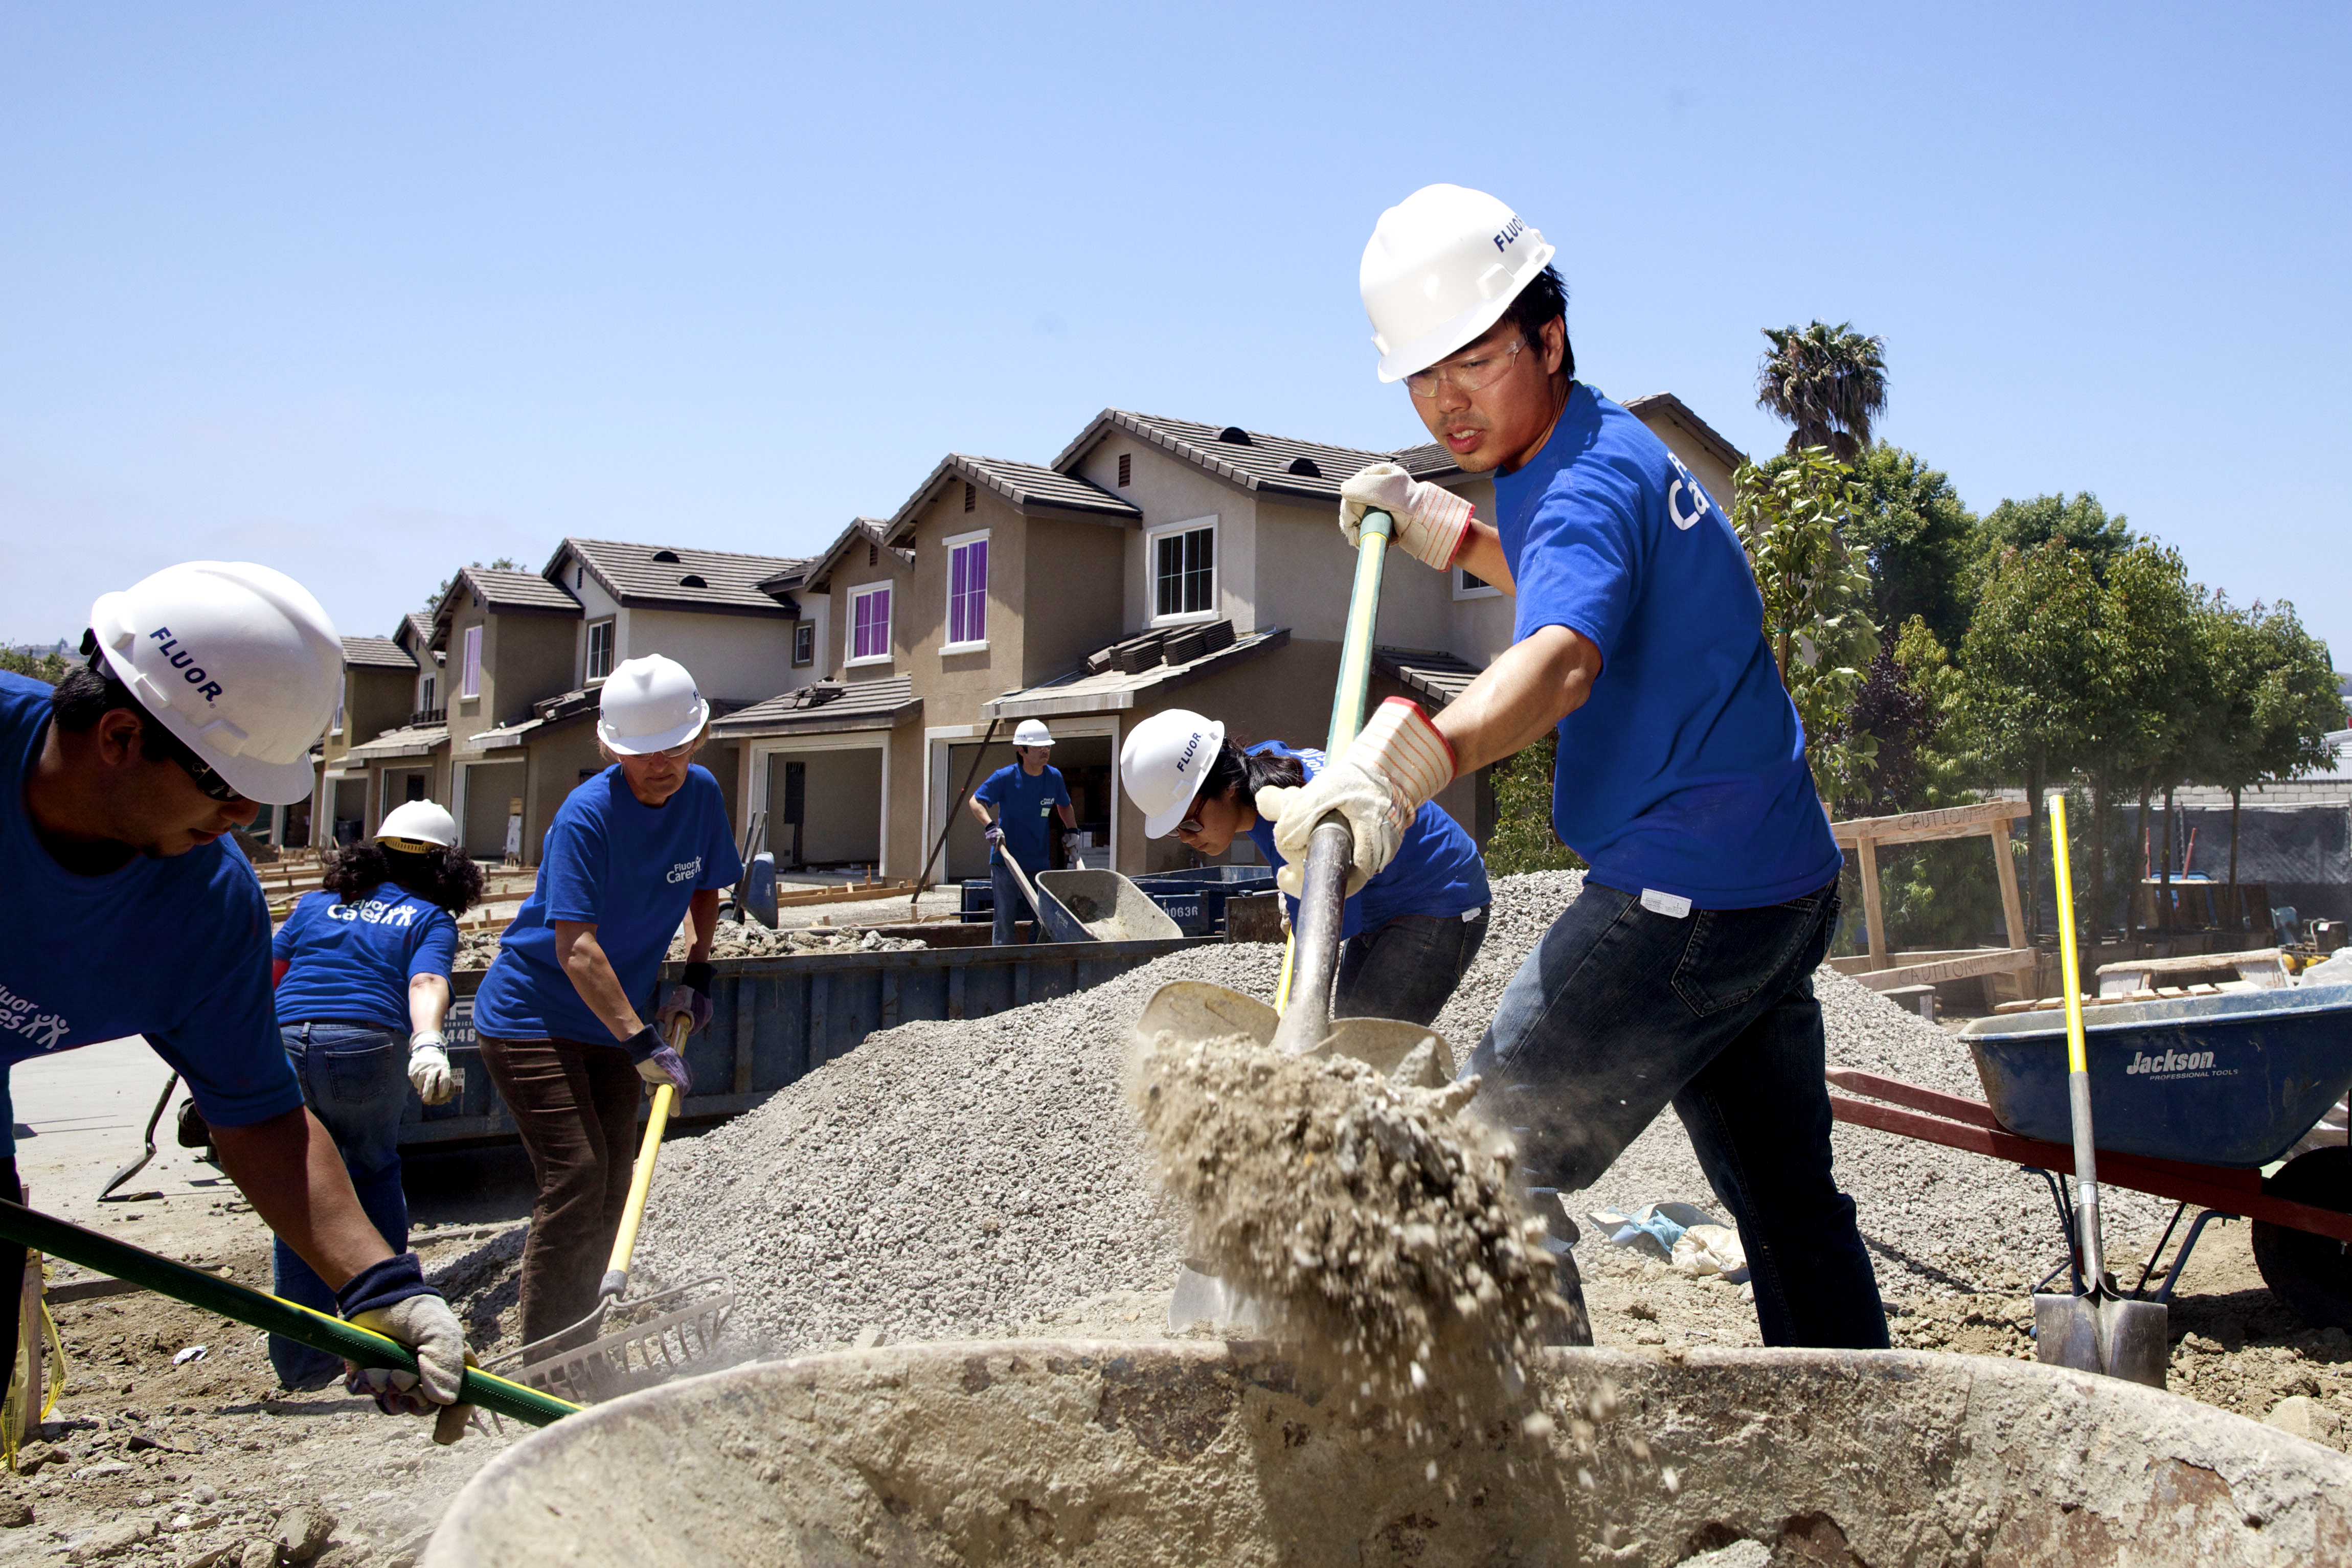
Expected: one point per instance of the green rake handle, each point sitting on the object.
(119, 1259)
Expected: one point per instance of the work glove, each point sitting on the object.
(658, 1062)
(994, 835)
(393, 1299)
(1430, 520)
(689, 999)
(428, 1067)
(1397, 762)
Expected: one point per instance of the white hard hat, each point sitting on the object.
(1164, 763)
(1033, 732)
(236, 660)
(1441, 268)
(650, 704)
(418, 822)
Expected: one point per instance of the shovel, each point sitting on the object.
(1193, 1009)
(2100, 1330)
(667, 1332)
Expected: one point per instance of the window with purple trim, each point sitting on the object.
(967, 593)
(869, 624)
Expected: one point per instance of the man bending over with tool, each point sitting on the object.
(1025, 793)
(1682, 975)
(125, 910)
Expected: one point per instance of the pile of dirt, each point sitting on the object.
(477, 949)
(1376, 1223)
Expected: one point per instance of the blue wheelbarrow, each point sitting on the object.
(2191, 1097)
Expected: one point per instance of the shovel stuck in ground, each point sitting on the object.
(2099, 1329)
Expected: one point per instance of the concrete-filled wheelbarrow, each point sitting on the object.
(2193, 1097)
(1182, 1455)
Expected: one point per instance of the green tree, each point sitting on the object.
(2077, 521)
(50, 666)
(2025, 696)
(1523, 839)
(1830, 382)
(1790, 516)
(1920, 540)
(2274, 700)
(2151, 695)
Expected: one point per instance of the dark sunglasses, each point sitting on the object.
(210, 782)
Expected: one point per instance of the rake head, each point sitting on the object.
(670, 1334)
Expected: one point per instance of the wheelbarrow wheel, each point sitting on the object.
(2312, 1274)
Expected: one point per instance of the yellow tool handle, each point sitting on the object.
(1289, 952)
(2069, 961)
(641, 1180)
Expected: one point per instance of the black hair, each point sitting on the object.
(88, 693)
(1248, 772)
(1543, 300)
(439, 875)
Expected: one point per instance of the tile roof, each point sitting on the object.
(1651, 406)
(861, 530)
(1026, 485)
(515, 590)
(1113, 690)
(417, 627)
(1437, 678)
(1261, 462)
(822, 706)
(674, 576)
(376, 653)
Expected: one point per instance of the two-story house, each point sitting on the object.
(379, 683)
(1155, 562)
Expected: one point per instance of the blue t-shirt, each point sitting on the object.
(1438, 870)
(628, 869)
(351, 963)
(176, 949)
(1024, 810)
(1684, 771)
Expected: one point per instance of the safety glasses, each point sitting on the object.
(1473, 374)
(210, 782)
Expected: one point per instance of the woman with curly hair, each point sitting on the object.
(362, 974)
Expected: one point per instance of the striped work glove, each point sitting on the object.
(1397, 762)
(1431, 521)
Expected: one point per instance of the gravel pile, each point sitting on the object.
(475, 949)
(946, 1180)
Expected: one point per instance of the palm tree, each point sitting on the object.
(1828, 382)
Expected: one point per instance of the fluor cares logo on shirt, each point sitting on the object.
(375, 911)
(686, 871)
(22, 1015)
(1698, 501)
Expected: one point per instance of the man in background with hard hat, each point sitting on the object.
(124, 910)
(1683, 974)
(1026, 794)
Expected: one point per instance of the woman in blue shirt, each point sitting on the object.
(1409, 933)
(362, 974)
(564, 1017)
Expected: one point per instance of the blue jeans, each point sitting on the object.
(1011, 905)
(1619, 1011)
(1408, 969)
(355, 1080)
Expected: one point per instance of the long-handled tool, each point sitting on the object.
(119, 1260)
(107, 1193)
(2099, 1329)
(667, 1332)
(1304, 1024)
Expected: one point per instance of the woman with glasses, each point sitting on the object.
(362, 967)
(1407, 935)
(564, 1016)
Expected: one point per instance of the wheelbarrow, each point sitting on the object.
(2191, 1097)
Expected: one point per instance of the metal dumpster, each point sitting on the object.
(775, 1018)
(1195, 899)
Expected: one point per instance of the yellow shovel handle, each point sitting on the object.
(1289, 951)
(2069, 961)
(641, 1180)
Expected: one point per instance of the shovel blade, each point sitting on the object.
(2138, 1343)
(2114, 1338)
(1195, 1009)
(1389, 1047)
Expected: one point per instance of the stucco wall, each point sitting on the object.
(736, 657)
(1074, 601)
(852, 575)
(1170, 490)
(560, 754)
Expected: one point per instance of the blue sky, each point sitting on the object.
(368, 292)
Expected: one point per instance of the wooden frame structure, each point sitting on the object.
(1882, 970)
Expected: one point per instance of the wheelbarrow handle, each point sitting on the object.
(118, 1260)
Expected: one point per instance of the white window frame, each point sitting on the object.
(948, 547)
(1462, 590)
(1152, 573)
(849, 632)
(470, 677)
(804, 629)
(611, 626)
